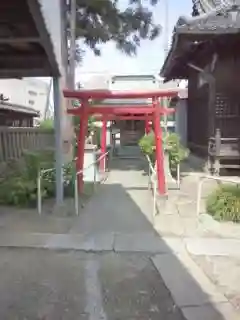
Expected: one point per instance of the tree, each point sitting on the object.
(101, 21)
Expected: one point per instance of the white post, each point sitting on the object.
(149, 176)
(199, 196)
(95, 175)
(104, 165)
(76, 194)
(39, 194)
(178, 175)
(149, 172)
(154, 197)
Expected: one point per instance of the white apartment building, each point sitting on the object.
(27, 92)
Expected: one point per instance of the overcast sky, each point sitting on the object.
(150, 55)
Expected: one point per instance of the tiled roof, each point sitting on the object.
(225, 18)
(18, 108)
(189, 31)
(204, 6)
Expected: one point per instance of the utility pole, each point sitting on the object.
(165, 48)
(72, 51)
(166, 27)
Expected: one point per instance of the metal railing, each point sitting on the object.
(39, 184)
(39, 188)
(178, 176)
(44, 171)
(152, 184)
(76, 189)
(152, 181)
(204, 179)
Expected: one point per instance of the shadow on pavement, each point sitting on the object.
(124, 208)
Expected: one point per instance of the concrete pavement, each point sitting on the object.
(36, 284)
(123, 242)
(115, 238)
(122, 204)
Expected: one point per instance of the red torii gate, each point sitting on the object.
(105, 113)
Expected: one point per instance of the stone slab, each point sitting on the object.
(187, 283)
(58, 241)
(169, 225)
(73, 285)
(81, 242)
(213, 246)
(23, 240)
(220, 311)
(147, 243)
(228, 282)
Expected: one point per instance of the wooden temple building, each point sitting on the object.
(12, 115)
(205, 50)
(131, 130)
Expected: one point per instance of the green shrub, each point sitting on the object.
(224, 203)
(177, 153)
(171, 143)
(18, 191)
(147, 145)
(91, 123)
(47, 124)
(19, 188)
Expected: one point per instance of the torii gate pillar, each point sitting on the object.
(159, 149)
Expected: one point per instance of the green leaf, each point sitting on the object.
(171, 142)
(101, 21)
(224, 203)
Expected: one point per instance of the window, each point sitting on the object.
(32, 93)
(31, 102)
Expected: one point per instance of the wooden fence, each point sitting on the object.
(13, 141)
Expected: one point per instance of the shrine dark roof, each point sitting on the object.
(7, 106)
(26, 48)
(190, 34)
(224, 20)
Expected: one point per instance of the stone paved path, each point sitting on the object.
(101, 285)
(129, 271)
(122, 205)
(43, 285)
(228, 282)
